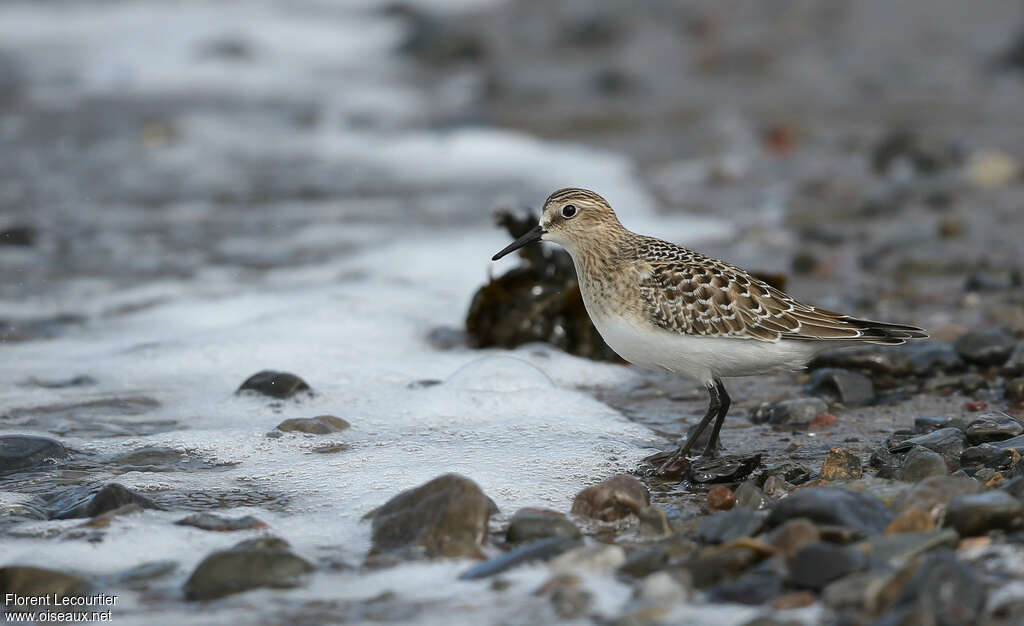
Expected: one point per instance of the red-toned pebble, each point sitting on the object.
(721, 498)
(822, 421)
(977, 405)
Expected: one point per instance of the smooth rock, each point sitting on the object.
(1015, 390)
(726, 469)
(894, 550)
(274, 384)
(594, 559)
(829, 505)
(534, 524)
(920, 463)
(936, 492)
(911, 521)
(612, 499)
(948, 442)
(209, 521)
(445, 517)
(715, 565)
(796, 411)
(1014, 365)
(995, 426)
(758, 586)
(1014, 443)
(972, 382)
(925, 425)
(930, 357)
(660, 590)
(850, 388)
(841, 464)
(975, 514)
(941, 590)
(985, 347)
(749, 496)
(641, 563)
(869, 359)
(653, 522)
(38, 582)
(24, 451)
(793, 535)
(721, 498)
(789, 471)
(1014, 487)
(817, 564)
(112, 496)
(729, 525)
(320, 425)
(150, 457)
(264, 562)
(535, 551)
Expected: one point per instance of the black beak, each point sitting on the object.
(533, 236)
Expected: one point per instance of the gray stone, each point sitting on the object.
(826, 505)
(869, 359)
(728, 525)
(790, 412)
(749, 496)
(445, 517)
(612, 499)
(39, 582)
(319, 425)
(265, 562)
(850, 388)
(111, 497)
(925, 425)
(725, 469)
(1014, 365)
(209, 521)
(533, 524)
(274, 384)
(542, 550)
(931, 357)
(948, 442)
(985, 347)
(817, 564)
(24, 451)
(941, 589)
(995, 426)
(920, 463)
(975, 514)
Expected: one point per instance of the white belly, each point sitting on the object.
(703, 358)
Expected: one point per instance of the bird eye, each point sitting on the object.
(568, 211)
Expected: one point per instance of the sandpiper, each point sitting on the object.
(663, 306)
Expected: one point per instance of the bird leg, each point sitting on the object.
(715, 393)
(711, 449)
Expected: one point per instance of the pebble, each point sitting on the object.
(661, 589)
(1014, 365)
(822, 421)
(111, 497)
(931, 357)
(911, 521)
(726, 469)
(868, 359)
(209, 521)
(274, 384)
(987, 456)
(975, 405)
(263, 562)
(920, 463)
(793, 535)
(748, 495)
(789, 471)
(534, 524)
(985, 347)
(936, 492)
(925, 425)
(895, 550)
(24, 451)
(975, 514)
(841, 464)
(730, 525)
(937, 587)
(445, 517)
(817, 564)
(653, 522)
(794, 600)
(568, 597)
(612, 499)
(320, 425)
(542, 550)
(1015, 390)
(849, 387)
(721, 498)
(796, 411)
(38, 582)
(760, 585)
(829, 505)
(948, 442)
(993, 427)
(714, 565)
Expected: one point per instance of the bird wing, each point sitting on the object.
(691, 294)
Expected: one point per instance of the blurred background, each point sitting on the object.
(192, 191)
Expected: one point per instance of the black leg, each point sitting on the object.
(711, 450)
(714, 408)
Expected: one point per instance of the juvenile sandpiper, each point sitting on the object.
(662, 306)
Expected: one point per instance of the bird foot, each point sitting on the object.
(671, 464)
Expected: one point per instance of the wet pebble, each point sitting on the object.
(867, 359)
(936, 492)
(209, 521)
(593, 559)
(1015, 390)
(938, 587)
(749, 495)
(21, 235)
(726, 526)
(38, 582)
(533, 552)
(726, 469)
(841, 464)
(111, 497)
(987, 456)
(817, 564)
(793, 535)
(758, 586)
(920, 463)
(721, 498)
(985, 347)
(948, 442)
(823, 421)
(995, 426)
(896, 549)
(930, 357)
(653, 522)
(612, 499)
(714, 565)
(445, 517)
(534, 524)
(796, 411)
(320, 425)
(827, 505)
(911, 521)
(925, 425)
(263, 562)
(850, 388)
(975, 514)
(789, 471)
(274, 384)
(1014, 365)
(25, 451)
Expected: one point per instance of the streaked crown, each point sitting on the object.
(572, 215)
